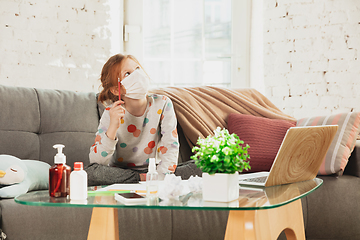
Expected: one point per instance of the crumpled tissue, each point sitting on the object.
(176, 192)
(171, 188)
(195, 184)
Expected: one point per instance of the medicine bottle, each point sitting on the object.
(59, 175)
(78, 182)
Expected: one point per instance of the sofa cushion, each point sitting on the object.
(19, 122)
(263, 135)
(333, 209)
(33, 120)
(344, 141)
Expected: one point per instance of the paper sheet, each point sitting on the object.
(123, 186)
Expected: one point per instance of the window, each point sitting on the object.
(184, 46)
(190, 42)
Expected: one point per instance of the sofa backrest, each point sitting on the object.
(33, 120)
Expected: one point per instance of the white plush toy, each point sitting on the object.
(20, 176)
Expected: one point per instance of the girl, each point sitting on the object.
(134, 126)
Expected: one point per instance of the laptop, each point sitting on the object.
(299, 157)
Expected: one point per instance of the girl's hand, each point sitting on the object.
(142, 176)
(116, 112)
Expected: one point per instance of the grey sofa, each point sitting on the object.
(33, 120)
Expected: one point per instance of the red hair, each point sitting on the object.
(110, 74)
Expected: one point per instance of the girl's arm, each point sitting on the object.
(168, 147)
(104, 147)
(116, 112)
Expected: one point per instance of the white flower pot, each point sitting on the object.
(220, 187)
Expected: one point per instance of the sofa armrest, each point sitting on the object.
(353, 166)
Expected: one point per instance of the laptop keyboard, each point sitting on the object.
(256, 179)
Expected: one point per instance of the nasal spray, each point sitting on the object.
(152, 184)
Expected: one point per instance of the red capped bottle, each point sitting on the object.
(78, 182)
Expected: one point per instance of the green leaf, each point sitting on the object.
(222, 152)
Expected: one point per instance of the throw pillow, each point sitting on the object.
(344, 140)
(263, 135)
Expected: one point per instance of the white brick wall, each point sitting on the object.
(311, 55)
(310, 49)
(60, 44)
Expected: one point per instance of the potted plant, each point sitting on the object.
(221, 157)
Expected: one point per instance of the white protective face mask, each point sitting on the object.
(136, 84)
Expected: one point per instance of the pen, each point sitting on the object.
(107, 193)
(120, 190)
(112, 192)
(119, 85)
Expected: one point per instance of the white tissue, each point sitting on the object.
(171, 188)
(195, 200)
(195, 184)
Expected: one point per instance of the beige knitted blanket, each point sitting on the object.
(199, 110)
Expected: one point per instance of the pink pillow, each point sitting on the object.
(263, 135)
(344, 140)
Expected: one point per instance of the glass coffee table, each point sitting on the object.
(259, 213)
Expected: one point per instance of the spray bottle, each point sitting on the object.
(59, 175)
(152, 184)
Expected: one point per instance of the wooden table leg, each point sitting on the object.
(267, 224)
(104, 224)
